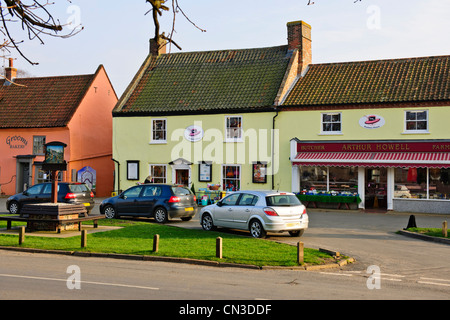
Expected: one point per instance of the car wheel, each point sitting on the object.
(256, 229)
(110, 212)
(14, 207)
(297, 233)
(207, 223)
(161, 215)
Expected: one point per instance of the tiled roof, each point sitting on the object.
(206, 82)
(366, 82)
(41, 102)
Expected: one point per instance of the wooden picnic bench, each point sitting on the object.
(59, 222)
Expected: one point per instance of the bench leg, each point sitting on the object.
(79, 226)
(8, 225)
(95, 224)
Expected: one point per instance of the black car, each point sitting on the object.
(160, 201)
(77, 193)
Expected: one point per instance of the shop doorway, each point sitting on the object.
(182, 177)
(376, 188)
(24, 166)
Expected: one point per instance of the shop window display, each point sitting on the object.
(413, 183)
(336, 180)
(343, 180)
(439, 180)
(231, 178)
(313, 178)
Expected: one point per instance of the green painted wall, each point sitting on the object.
(132, 140)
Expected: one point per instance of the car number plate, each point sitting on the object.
(290, 225)
(86, 204)
(188, 209)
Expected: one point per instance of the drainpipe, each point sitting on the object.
(273, 148)
(118, 175)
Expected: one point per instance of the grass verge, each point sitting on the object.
(137, 238)
(432, 232)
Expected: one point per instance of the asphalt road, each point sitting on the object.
(409, 268)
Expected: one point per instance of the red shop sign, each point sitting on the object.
(382, 146)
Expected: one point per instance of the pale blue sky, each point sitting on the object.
(117, 34)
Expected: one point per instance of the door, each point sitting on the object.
(244, 210)
(182, 177)
(23, 176)
(224, 213)
(376, 188)
(33, 195)
(127, 203)
(147, 201)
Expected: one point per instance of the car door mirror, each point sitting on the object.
(25, 193)
(122, 196)
(219, 204)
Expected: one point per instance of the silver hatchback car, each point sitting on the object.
(257, 211)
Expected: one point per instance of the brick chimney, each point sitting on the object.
(299, 37)
(10, 72)
(155, 49)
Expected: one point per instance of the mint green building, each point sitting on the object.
(268, 118)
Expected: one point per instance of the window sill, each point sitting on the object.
(158, 142)
(331, 133)
(416, 132)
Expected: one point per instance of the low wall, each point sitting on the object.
(422, 206)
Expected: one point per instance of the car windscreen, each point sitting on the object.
(287, 200)
(78, 188)
(181, 191)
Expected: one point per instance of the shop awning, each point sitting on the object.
(373, 159)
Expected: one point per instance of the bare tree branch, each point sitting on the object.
(158, 7)
(35, 19)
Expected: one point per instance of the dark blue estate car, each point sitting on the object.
(160, 201)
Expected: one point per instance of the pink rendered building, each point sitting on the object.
(75, 110)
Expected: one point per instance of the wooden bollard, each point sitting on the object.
(219, 248)
(21, 235)
(156, 243)
(83, 238)
(300, 253)
(444, 229)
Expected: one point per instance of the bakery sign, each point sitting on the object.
(16, 142)
(372, 122)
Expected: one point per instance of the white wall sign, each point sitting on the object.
(372, 122)
(193, 133)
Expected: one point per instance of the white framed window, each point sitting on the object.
(231, 177)
(39, 145)
(416, 121)
(159, 131)
(158, 173)
(233, 129)
(331, 123)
